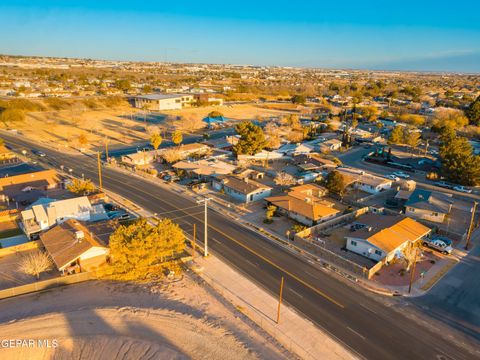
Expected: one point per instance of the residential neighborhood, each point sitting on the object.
(239, 181)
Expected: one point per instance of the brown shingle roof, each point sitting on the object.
(62, 245)
(311, 210)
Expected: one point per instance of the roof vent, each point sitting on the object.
(79, 235)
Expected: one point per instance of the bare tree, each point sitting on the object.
(283, 179)
(36, 263)
(171, 155)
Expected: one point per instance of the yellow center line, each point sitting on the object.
(311, 287)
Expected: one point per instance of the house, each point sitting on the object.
(364, 181)
(159, 102)
(382, 237)
(295, 149)
(140, 158)
(45, 213)
(224, 143)
(428, 205)
(73, 248)
(304, 204)
(208, 99)
(330, 145)
(204, 168)
(244, 190)
(315, 159)
(26, 188)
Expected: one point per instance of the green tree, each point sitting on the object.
(215, 114)
(335, 183)
(411, 138)
(252, 139)
(458, 164)
(12, 115)
(299, 99)
(82, 187)
(473, 112)
(177, 137)
(396, 136)
(123, 84)
(139, 249)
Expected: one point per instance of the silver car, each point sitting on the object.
(438, 245)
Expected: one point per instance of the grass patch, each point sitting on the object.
(11, 232)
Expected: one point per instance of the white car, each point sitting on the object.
(438, 245)
(460, 188)
(401, 175)
(393, 177)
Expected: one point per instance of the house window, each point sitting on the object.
(378, 252)
(412, 209)
(435, 214)
(354, 243)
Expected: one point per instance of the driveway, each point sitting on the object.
(455, 299)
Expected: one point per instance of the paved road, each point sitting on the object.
(370, 327)
(458, 293)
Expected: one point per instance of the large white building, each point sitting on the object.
(159, 102)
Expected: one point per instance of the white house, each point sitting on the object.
(44, 214)
(364, 181)
(382, 237)
(427, 205)
(244, 190)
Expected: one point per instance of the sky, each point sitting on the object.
(424, 35)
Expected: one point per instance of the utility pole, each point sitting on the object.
(205, 231)
(193, 242)
(280, 300)
(470, 227)
(106, 150)
(99, 170)
(412, 274)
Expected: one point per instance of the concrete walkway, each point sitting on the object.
(294, 332)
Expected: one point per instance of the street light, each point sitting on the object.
(205, 231)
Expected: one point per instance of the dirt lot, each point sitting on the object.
(121, 126)
(10, 274)
(107, 320)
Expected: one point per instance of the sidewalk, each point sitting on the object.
(294, 332)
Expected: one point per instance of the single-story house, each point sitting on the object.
(140, 158)
(304, 204)
(296, 149)
(73, 248)
(331, 145)
(364, 181)
(46, 213)
(382, 237)
(428, 205)
(27, 188)
(204, 169)
(243, 190)
(224, 143)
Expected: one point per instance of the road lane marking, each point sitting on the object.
(296, 293)
(150, 196)
(356, 333)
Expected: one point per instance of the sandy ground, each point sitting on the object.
(106, 320)
(121, 126)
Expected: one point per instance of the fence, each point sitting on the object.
(333, 223)
(47, 284)
(19, 248)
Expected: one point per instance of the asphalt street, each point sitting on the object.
(371, 328)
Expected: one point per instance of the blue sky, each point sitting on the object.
(408, 35)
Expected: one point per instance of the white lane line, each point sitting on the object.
(356, 333)
(367, 308)
(296, 293)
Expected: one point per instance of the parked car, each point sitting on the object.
(438, 245)
(444, 184)
(393, 177)
(463, 189)
(443, 238)
(39, 153)
(401, 175)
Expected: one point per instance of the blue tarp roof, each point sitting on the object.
(213, 120)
